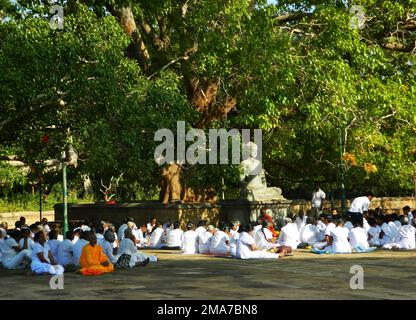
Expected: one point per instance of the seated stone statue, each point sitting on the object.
(253, 179)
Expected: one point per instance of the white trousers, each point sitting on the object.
(40, 267)
(16, 262)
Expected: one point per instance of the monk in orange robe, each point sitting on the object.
(93, 261)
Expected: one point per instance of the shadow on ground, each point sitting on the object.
(387, 275)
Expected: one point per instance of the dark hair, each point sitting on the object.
(265, 224)
(328, 217)
(246, 227)
(16, 234)
(394, 217)
(202, 223)
(372, 222)
(69, 235)
(189, 226)
(99, 229)
(37, 236)
(18, 224)
(406, 209)
(33, 226)
(128, 233)
(176, 225)
(109, 236)
(84, 234)
(23, 218)
(53, 234)
(338, 221)
(369, 194)
(310, 220)
(358, 223)
(128, 219)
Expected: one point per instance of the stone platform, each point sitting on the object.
(387, 275)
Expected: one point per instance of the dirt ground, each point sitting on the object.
(387, 275)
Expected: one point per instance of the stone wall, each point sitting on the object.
(31, 217)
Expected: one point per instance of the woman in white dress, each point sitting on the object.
(128, 246)
(234, 235)
(189, 245)
(108, 247)
(220, 242)
(42, 258)
(204, 240)
(263, 237)
(246, 247)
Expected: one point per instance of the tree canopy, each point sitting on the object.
(299, 70)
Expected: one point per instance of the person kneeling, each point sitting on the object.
(42, 258)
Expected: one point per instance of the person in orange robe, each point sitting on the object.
(264, 216)
(93, 261)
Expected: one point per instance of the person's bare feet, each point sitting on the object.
(282, 253)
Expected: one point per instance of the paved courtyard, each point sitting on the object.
(387, 275)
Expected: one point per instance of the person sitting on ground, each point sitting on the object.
(189, 245)
(300, 220)
(112, 227)
(3, 236)
(204, 240)
(23, 222)
(124, 226)
(93, 261)
(78, 246)
(174, 238)
(329, 226)
(339, 236)
(220, 242)
(309, 234)
(14, 257)
(54, 243)
(408, 214)
(17, 225)
(246, 247)
(201, 227)
(396, 219)
(26, 242)
(99, 233)
(65, 250)
(266, 215)
(256, 227)
(42, 259)
(108, 248)
(4, 226)
(348, 224)
(234, 235)
(128, 247)
(77, 235)
(45, 226)
(389, 231)
(374, 233)
(358, 237)
(405, 239)
(321, 227)
(156, 237)
(289, 234)
(139, 233)
(264, 238)
(151, 225)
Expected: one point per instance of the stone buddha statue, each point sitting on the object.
(253, 179)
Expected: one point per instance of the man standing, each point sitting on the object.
(318, 199)
(359, 206)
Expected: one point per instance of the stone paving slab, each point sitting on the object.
(387, 275)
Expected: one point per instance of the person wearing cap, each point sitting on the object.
(42, 259)
(189, 245)
(204, 240)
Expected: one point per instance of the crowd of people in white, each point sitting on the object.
(361, 230)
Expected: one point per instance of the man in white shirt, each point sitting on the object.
(358, 206)
(14, 257)
(318, 199)
(174, 238)
(289, 235)
(156, 237)
(189, 245)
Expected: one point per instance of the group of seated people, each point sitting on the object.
(98, 250)
(93, 251)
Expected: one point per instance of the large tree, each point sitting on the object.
(299, 70)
